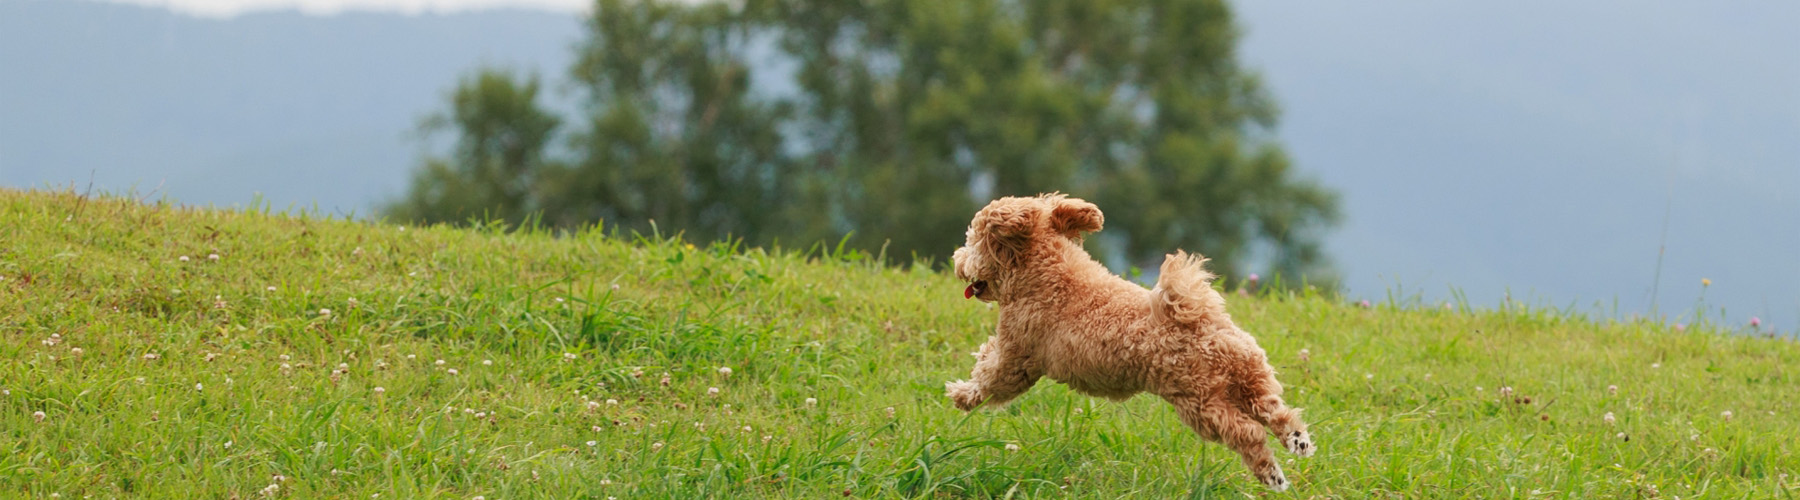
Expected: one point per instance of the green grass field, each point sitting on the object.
(327, 358)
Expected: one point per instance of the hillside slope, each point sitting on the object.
(317, 357)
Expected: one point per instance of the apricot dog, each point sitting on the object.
(1064, 316)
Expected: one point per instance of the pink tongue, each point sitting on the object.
(970, 291)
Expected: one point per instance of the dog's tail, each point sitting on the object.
(1184, 292)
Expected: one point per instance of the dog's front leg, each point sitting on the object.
(1001, 373)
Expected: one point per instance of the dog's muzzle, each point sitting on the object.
(975, 289)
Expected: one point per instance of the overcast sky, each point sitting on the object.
(231, 8)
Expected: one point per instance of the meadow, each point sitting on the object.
(149, 350)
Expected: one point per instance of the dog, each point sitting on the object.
(1064, 316)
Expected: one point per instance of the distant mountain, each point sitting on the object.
(301, 109)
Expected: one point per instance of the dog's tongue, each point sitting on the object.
(970, 291)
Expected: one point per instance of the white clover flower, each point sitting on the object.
(746, 428)
(151, 356)
(1656, 365)
(1012, 447)
(1305, 355)
(487, 362)
(593, 405)
(569, 355)
(1725, 415)
(481, 414)
(656, 445)
(439, 362)
(183, 258)
(768, 438)
(212, 257)
(75, 350)
(890, 412)
(283, 357)
(1506, 391)
(606, 482)
(451, 371)
(270, 289)
(344, 366)
(1612, 389)
(38, 416)
(612, 401)
(725, 370)
(593, 443)
(324, 312)
(712, 391)
(1608, 418)
(812, 401)
(228, 444)
(379, 390)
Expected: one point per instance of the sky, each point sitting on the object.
(1602, 156)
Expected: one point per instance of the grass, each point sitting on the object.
(204, 378)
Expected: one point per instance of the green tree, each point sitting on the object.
(897, 119)
(499, 155)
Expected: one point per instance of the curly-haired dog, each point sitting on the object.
(1064, 316)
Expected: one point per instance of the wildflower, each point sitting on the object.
(487, 362)
(210, 356)
(75, 350)
(481, 414)
(725, 370)
(1506, 391)
(1364, 304)
(212, 257)
(569, 355)
(344, 366)
(593, 443)
(1755, 322)
(1612, 389)
(1623, 437)
(283, 357)
(1608, 418)
(227, 444)
(184, 258)
(1705, 282)
(812, 401)
(612, 401)
(593, 405)
(596, 428)
(439, 362)
(286, 367)
(1253, 277)
(746, 428)
(890, 412)
(271, 490)
(1681, 327)
(451, 371)
(656, 445)
(768, 438)
(665, 379)
(219, 302)
(712, 391)
(353, 303)
(151, 356)
(271, 289)
(198, 387)
(38, 416)
(379, 390)
(1305, 355)
(324, 312)
(1368, 376)
(1656, 365)
(1012, 446)
(1725, 415)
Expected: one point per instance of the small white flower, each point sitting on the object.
(559, 300)
(324, 312)
(812, 401)
(656, 445)
(151, 356)
(593, 443)
(1725, 415)
(212, 257)
(439, 362)
(612, 401)
(227, 444)
(286, 367)
(1506, 391)
(344, 366)
(1608, 418)
(593, 405)
(569, 355)
(1305, 355)
(746, 428)
(725, 370)
(606, 482)
(38, 416)
(1012, 447)
(379, 390)
(283, 357)
(75, 350)
(1612, 389)
(184, 258)
(1656, 365)
(712, 391)
(890, 412)
(1368, 376)
(487, 362)
(768, 438)
(271, 289)
(451, 371)
(199, 387)
(481, 414)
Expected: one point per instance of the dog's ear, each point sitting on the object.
(1072, 216)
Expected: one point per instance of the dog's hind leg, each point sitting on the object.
(1283, 421)
(1216, 420)
(1000, 375)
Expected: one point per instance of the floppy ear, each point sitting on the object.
(1072, 216)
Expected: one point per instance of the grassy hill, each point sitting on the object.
(188, 353)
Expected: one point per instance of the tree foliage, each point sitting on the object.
(895, 120)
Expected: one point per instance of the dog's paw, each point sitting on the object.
(1299, 443)
(966, 395)
(1273, 478)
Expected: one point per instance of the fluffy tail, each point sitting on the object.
(1184, 292)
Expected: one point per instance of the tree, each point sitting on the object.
(496, 162)
(897, 119)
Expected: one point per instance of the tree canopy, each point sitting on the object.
(893, 121)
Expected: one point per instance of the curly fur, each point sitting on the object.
(1064, 316)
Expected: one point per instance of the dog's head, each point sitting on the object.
(1009, 232)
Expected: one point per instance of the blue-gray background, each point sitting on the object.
(1541, 149)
